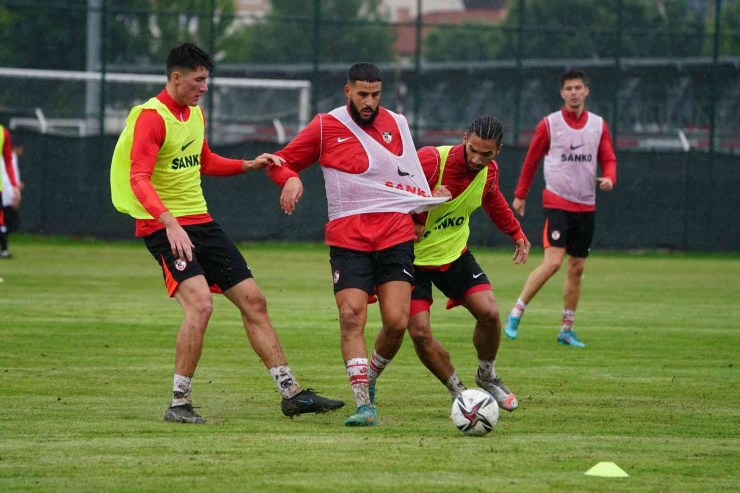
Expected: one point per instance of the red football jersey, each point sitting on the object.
(330, 143)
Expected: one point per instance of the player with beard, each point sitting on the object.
(373, 180)
(470, 174)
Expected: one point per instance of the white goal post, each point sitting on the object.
(273, 111)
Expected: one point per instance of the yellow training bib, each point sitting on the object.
(447, 229)
(176, 176)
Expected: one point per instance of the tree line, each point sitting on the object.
(52, 34)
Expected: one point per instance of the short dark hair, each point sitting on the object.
(188, 56)
(487, 128)
(365, 72)
(573, 74)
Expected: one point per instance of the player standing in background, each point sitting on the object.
(373, 180)
(572, 141)
(155, 178)
(7, 151)
(468, 171)
(11, 201)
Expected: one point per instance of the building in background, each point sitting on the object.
(252, 8)
(434, 12)
(256, 7)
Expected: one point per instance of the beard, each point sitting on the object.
(472, 168)
(357, 117)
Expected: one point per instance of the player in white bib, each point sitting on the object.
(373, 181)
(572, 142)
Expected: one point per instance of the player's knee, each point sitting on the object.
(552, 267)
(201, 307)
(257, 303)
(488, 316)
(422, 337)
(350, 318)
(575, 270)
(396, 323)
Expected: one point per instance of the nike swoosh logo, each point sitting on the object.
(403, 173)
(186, 145)
(476, 276)
(576, 147)
(306, 402)
(442, 217)
(410, 275)
(343, 140)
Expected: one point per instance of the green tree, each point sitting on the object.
(44, 35)
(52, 37)
(470, 42)
(7, 53)
(286, 35)
(729, 28)
(587, 29)
(145, 30)
(136, 31)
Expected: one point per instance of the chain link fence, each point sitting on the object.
(664, 73)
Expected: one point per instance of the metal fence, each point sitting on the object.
(682, 201)
(664, 73)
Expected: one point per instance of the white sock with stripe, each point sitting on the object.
(518, 309)
(376, 367)
(357, 372)
(569, 316)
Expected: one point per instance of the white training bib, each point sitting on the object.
(390, 184)
(570, 165)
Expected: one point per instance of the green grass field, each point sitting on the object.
(86, 360)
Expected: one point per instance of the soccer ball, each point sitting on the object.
(474, 412)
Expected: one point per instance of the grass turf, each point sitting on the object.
(87, 343)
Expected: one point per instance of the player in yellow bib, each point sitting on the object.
(468, 173)
(155, 178)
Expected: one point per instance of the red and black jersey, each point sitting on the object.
(540, 146)
(330, 143)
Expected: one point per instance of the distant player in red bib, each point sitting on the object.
(373, 180)
(572, 141)
(155, 178)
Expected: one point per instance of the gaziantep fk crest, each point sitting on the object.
(387, 137)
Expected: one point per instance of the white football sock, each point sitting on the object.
(285, 381)
(181, 388)
(375, 368)
(569, 316)
(454, 386)
(518, 309)
(486, 369)
(357, 372)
